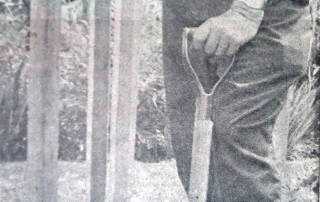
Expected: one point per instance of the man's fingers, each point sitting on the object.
(200, 35)
(233, 48)
(211, 44)
(223, 46)
(210, 38)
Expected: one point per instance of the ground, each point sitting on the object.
(149, 182)
(146, 182)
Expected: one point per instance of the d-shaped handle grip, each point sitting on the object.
(204, 70)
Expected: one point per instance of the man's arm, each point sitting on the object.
(225, 34)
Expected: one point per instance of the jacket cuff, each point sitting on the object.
(252, 14)
(255, 4)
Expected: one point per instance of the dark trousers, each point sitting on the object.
(245, 105)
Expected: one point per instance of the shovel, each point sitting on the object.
(203, 70)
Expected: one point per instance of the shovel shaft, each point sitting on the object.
(203, 107)
(200, 162)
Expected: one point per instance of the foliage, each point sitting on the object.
(152, 143)
(13, 108)
(73, 89)
(14, 47)
(301, 182)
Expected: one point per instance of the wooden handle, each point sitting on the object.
(200, 162)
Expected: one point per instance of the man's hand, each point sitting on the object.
(225, 34)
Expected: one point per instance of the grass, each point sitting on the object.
(149, 182)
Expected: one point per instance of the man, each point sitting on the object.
(266, 39)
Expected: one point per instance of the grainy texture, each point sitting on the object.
(153, 143)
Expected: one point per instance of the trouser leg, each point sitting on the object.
(243, 166)
(180, 96)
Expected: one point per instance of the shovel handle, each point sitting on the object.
(200, 161)
(187, 64)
